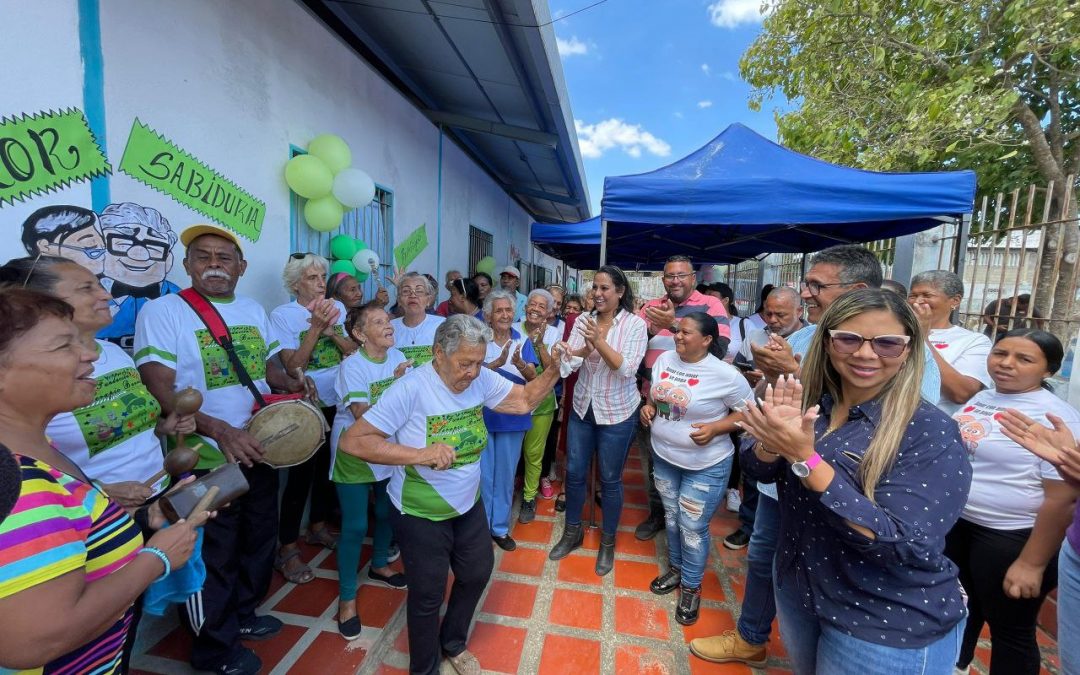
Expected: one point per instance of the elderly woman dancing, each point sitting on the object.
(435, 413)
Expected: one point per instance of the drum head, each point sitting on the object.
(289, 431)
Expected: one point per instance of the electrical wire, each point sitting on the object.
(359, 3)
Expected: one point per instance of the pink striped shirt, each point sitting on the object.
(613, 394)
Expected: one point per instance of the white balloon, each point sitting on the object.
(353, 188)
(365, 259)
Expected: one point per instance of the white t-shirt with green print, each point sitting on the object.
(360, 379)
(112, 440)
(169, 332)
(421, 410)
(290, 323)
(415, 343)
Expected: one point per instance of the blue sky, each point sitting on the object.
(653, 80)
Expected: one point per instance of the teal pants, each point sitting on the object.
(353, 498)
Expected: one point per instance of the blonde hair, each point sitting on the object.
(900, 396)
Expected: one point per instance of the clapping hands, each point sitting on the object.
(779, 423)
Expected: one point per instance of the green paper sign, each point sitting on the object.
(152, 159)
(414, 244)
(47, 151)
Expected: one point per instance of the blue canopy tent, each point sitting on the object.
(742, 195)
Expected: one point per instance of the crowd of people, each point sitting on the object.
(901, 481)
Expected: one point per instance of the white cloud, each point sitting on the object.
(729, 76)
(571, 47)
(704, 104)
(678, 114)
(705, 69)
(731, 13)
(596, 139)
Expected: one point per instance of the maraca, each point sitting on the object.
(180, 459)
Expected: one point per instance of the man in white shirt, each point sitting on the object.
(173, 350)
(510, 280)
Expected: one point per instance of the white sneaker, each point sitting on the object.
(734, 501)
(961, 671)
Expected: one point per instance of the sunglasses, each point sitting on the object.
(300, 256)
(885, 346)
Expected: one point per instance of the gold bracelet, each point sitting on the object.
(768, 451)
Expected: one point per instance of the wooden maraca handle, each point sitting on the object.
(204, 505)
(150, 482)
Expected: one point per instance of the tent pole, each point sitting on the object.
(603, 242)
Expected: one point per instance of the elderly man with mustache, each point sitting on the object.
(173, 350)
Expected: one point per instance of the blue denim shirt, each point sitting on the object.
(898, 589)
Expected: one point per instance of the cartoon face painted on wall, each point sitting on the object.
(138, 244)
(66, 231)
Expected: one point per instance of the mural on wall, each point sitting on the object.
(128, 246)
(47, 151)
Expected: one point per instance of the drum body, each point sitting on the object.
(289, 432)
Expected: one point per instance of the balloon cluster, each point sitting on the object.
(352, 256)
(325, 178)
(486, 265)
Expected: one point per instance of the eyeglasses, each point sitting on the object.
(120, 245)
(815, 288)
(680, 277)
(885, 346)
(408, 291)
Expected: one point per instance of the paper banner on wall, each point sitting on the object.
(152, 159)
(47, 151)
(413, 246)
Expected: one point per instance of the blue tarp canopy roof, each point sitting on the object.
(742, 195)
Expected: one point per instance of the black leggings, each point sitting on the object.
(984, 556)
(310, 478)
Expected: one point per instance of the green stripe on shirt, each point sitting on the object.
(148, 350)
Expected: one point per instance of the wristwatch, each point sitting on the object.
(802, 469)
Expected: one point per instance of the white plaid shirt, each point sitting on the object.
(613, 394)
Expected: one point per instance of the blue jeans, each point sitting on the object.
(759, 603)
(609, 443)
(690, 498)
(815, 647)
(1069, 609)
(498, 462)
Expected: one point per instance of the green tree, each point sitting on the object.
(914, 85)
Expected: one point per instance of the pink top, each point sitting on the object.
(613, 394)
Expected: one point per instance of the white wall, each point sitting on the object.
(235, 83)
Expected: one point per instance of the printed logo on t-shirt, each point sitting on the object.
(976, 421)
(122, 408)
(672, 394)
(463, 430)
(218, 370)
(418, 354)
(326, 354)
(377, 388)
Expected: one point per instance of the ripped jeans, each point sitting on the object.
(690, 499)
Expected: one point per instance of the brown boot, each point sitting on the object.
(728, 647)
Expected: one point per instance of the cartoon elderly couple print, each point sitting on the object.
(671, 399)
(128, 246)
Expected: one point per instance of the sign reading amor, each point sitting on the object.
(156, 161)
(46, 151)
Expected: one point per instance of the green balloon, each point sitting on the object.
(345, 266)
(343, 247)
(331, 149)
(324, 214)
(360, 245)
(361, 275)
(486, 265)
(308, 176)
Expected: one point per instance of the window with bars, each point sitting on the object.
(481, 244)
(374, 224)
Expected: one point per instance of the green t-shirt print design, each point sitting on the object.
(122, 409)
(418, 354)
(326, 354)
(377, 389)
(218, 370)
(463, 430)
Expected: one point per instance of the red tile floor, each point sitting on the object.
(537, 616)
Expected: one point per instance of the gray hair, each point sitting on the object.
(451, 272)
(857, 264)
(294, 269)
(122, 216)
(781, 292)
(545, 294)
(413, 276)
(945, 281)
(461, 328)
(498, 294)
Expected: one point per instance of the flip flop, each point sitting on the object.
(301, 576)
